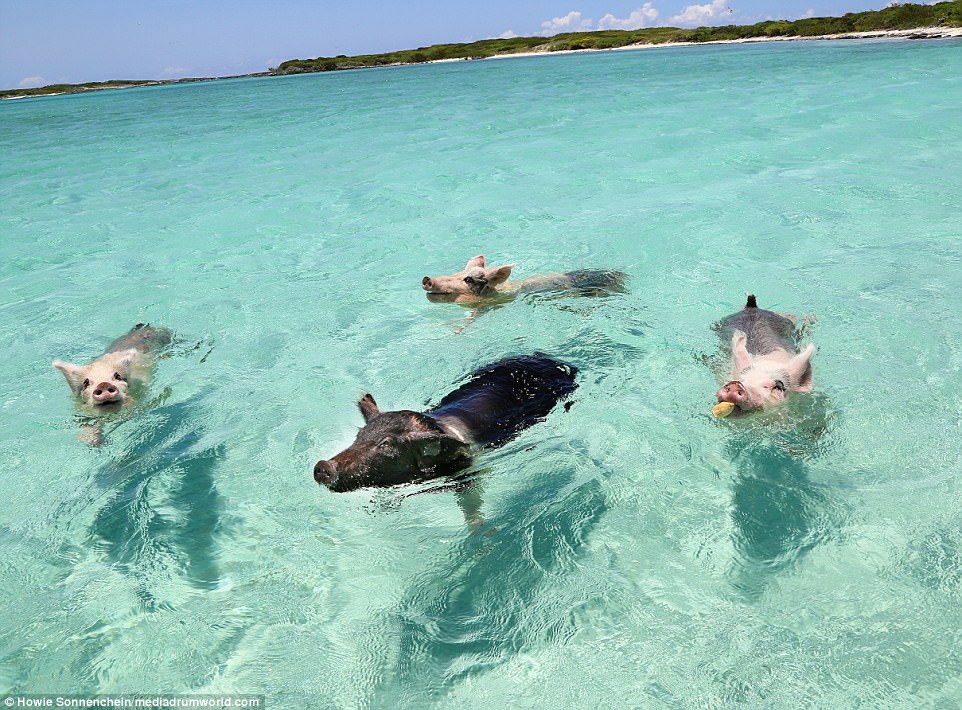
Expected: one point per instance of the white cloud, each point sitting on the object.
(507, 35)
(31, 82)
(700, 14)
(636, 20)
(572, 22)
(810, 12)
(175, 71)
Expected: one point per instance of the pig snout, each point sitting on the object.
(105, 393)
(735, 393)
(325, 472)
(426, 283)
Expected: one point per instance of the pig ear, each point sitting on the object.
(127, 357)
(740, 356)
(74, 373)
(477, 261)
(498, 275)
(368, 408)
(800, 369)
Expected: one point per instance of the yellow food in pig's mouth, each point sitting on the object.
(723, 409)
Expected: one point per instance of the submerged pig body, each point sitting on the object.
(766, 363)
(497, 403)
(477, 284)
(112, 381)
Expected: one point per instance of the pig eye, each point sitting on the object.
(118, 376)
(779, 385)
(85, 385)
(470, 280)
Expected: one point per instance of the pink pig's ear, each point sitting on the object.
(498, 274)
(127, 358)
(74, 373)
(740, 356)
(476, 262)
(800, 369)
(368, 408)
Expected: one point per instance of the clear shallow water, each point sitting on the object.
(637, 552)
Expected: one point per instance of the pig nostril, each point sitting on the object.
(426, 282)
(323, 472)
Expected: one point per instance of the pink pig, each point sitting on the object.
(116, 379)
(477, 284)
(765, 361)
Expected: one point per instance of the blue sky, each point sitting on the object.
(56, 41)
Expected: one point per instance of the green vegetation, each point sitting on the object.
(101, 85)
(898, 17)
(906, 16)
(73, 88)
(474, 50)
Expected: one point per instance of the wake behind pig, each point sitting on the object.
(493, 406)
(119, 377)
(766, 364)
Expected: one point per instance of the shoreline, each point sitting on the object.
(917, 33)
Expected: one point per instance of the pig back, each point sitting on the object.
(506, 397)
(597, 282)
(583, 282)
(143, 338)
(766, 331)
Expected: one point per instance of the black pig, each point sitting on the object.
(494, 405)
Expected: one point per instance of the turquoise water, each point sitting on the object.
(636, 553)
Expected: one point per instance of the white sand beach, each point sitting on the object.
(918, 33)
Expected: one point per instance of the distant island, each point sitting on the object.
(54, 89)
(898, 20)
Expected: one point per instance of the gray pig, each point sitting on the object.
(765, 361)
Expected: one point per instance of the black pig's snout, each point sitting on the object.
(325, 472)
